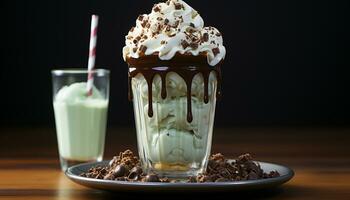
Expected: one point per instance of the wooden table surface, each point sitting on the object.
(320, 157)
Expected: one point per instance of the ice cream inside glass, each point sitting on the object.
(174, 81)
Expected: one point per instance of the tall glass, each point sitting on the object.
(80, 118)
(168, 144)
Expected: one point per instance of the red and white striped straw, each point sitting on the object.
(92, 54)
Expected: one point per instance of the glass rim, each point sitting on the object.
(78, 71)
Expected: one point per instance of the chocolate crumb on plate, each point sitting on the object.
(151, 178)
(127, 167)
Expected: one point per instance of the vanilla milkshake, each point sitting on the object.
(174, 81)
(80, 123)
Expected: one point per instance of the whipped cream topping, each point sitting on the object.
(173, 27)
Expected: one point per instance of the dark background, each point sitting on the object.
(284, 65)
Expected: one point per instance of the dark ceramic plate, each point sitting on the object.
(74, 172)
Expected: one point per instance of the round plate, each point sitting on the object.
(285, 175)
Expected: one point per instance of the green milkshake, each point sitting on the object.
(80, 123)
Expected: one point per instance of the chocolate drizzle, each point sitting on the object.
(186, 66)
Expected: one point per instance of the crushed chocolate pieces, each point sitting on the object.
(144, 23)
(143, 49)
(218, 157)
(244, 168)
(137, 39)
(192, 25)
(166, 21)
(194, 45)
(205, 37)
(176, 24)
(127, 167)
(140, 18)
(135, 173)
(271, 174)
(151, 178)
(178, 6)
(156, 8)
(121, 170)
(181, 18)
(184, 44)
(167, 29)
(132, 29)
(218, 34)
(216, 51)
(191, 30)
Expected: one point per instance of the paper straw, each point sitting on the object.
(92, 54)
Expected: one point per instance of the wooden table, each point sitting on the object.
(29, 167)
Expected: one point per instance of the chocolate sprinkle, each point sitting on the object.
(194, 45)
(144, 23)
(143, 49)
(178, 6)
(216, 51)
(156, 9)
(205, 37)
(166, 21)
(176, 24)
(184, 44)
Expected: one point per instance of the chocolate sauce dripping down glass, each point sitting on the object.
(185, 66)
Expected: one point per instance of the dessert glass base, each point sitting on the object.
(177, 170)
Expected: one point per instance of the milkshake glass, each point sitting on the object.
(174, 81)
(80, 119)
(174, 124)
